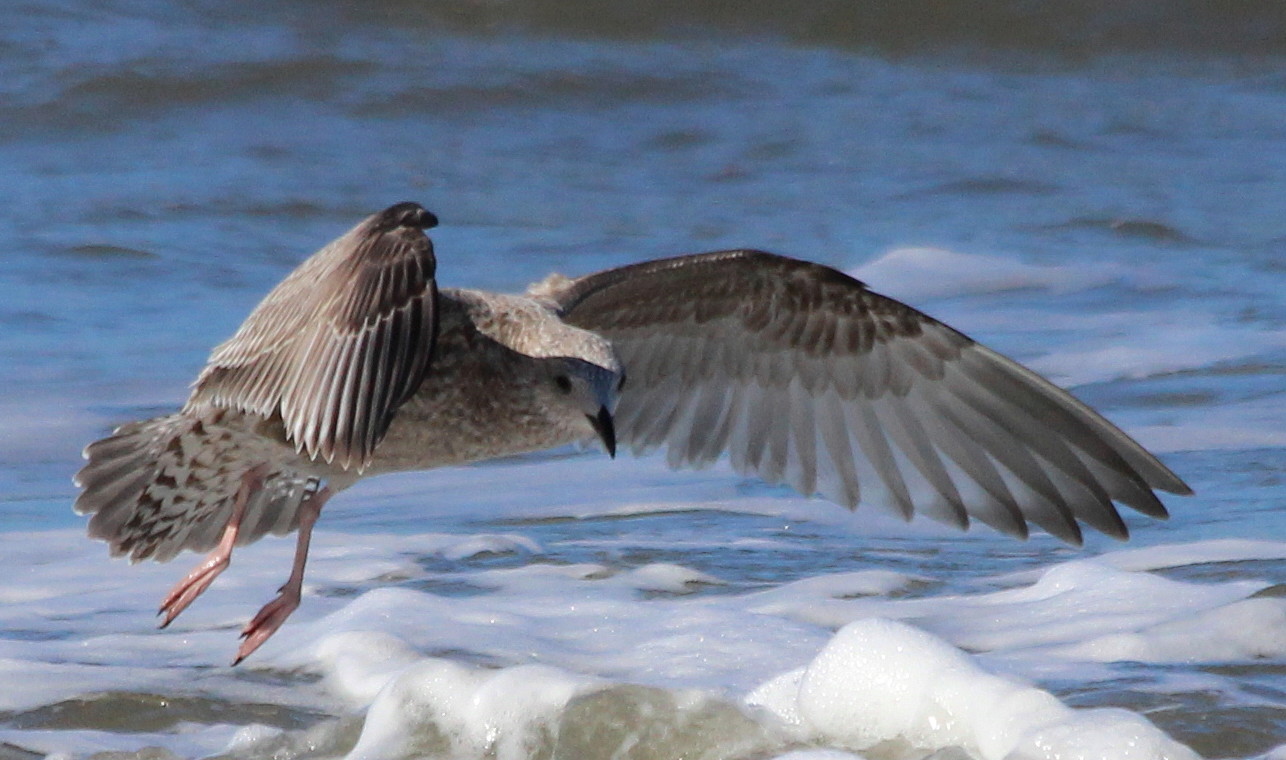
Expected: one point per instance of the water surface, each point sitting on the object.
(1097, 192)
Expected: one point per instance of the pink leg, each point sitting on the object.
(197, 581)
(274, 613)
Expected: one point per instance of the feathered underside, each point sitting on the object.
(800, 373)
(339, 344)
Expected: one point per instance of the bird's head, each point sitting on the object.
(588, 390)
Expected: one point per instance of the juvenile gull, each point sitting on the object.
(356, 365)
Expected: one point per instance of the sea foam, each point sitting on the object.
(880, 681)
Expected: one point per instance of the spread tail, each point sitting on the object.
(159, 486)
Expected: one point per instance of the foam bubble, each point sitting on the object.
(881, 681)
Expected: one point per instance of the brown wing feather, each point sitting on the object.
(801, 373)
(341, 343)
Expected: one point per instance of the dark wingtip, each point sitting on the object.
(407, 214)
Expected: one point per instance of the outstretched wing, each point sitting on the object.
(339, 344)
(802, 374)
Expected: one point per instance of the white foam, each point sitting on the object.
(667, 577)
(1064, 621)
(858, 583)
(252, 736)
(359, 664)
(929, 273)
(441, 707)
(1256, 424)
(1133, 341)
(502, 544)
(1194, 553)
(196, 741)
(883, 681)
(1101, 734)
(1073, 613)
(1165, 556)
(818, 754)
(1246, 630)
(1143, 344)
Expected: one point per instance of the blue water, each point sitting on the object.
(1116, 200)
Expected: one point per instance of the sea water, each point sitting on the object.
(1098, 193)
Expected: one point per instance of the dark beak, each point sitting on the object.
(605, 428)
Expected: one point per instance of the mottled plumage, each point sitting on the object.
(356, 365)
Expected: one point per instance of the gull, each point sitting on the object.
(356, 364)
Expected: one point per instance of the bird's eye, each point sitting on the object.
(564, 383)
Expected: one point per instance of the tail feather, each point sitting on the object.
(118, 470)
(159, 486)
